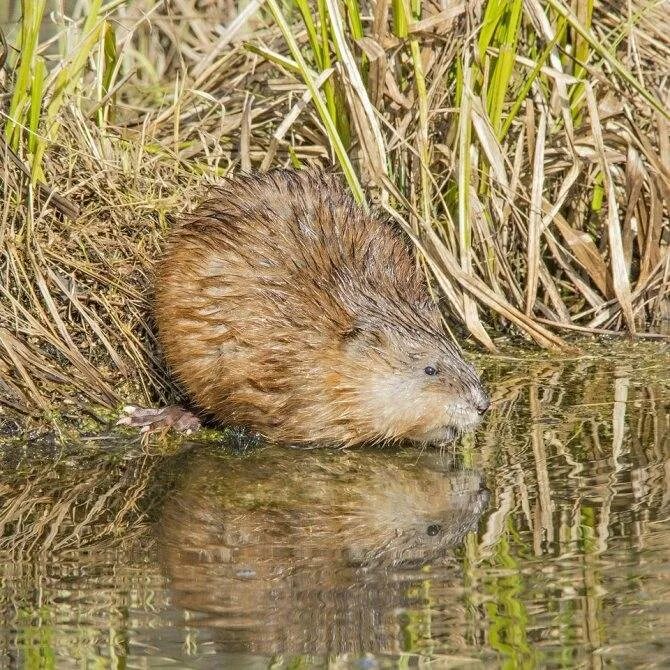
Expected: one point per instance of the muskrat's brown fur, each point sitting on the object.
(284, 307)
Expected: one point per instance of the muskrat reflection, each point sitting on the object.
(317, 552)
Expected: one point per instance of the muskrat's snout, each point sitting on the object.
(427, 403)
(472, 390)
(480, 399)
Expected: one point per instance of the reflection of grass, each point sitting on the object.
(64, 520)
(548, 519)
(517, 141)
(37, 643)
(52, 506)
(551, 550)
(592, 615)
(44, 634)
(416, 625)
(506, 612)
(531, 600)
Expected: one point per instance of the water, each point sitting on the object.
(543, 540)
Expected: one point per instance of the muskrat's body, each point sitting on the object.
(283, 307)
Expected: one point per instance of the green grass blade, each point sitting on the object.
(354, 17)
(399, 14)
(331, 131)
(32, 11)
(492, 16)
(36, 96)
(341, 120)
(280, 60)
(67, 79)
(532, 76)
(376, 145)
(313, 36)
(605, 54)
(503, 69)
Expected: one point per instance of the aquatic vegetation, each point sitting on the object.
(523, 146)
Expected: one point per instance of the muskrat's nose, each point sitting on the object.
(482, 405)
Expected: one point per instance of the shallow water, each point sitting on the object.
(542, 540)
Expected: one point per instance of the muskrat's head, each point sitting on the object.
(408, 381)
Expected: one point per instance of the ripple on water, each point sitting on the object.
(544, 542)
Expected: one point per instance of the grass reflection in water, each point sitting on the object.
(208, 556)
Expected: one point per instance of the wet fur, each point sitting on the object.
(284, 307)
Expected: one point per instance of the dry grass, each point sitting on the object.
(524, 145)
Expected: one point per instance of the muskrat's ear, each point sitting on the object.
(361, 336)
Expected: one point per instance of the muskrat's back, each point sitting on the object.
(284, 307)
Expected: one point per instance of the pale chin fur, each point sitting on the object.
(382, 400)
(460, 419)
(463, 417)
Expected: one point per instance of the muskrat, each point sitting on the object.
(284, 307)
(318, 552)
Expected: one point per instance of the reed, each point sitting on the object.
(522, 145)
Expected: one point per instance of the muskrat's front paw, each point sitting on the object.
(159, 420)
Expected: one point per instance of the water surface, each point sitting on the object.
(541, 541)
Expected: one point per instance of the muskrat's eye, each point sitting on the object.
(430, 370)
(433, 529)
